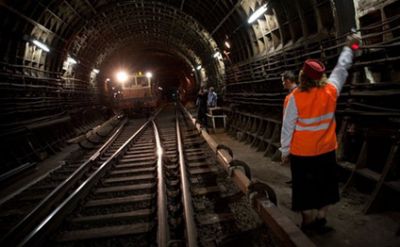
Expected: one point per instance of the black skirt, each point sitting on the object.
(314, 181)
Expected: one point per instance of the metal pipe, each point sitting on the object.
(162, 233)
(191, 231)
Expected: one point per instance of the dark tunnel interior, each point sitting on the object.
(59, 60)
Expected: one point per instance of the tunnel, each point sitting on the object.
(59, 61)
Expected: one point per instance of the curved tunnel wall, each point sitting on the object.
(36, 88)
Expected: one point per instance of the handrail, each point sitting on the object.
(57, 215)
(191, 232)
(54, 196)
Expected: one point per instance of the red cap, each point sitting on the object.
(313, 69)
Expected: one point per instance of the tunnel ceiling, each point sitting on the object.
(92, 30)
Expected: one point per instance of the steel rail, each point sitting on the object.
(191, 231)
(279, 224)
(162, 214)
(37, 236)
(56, 195)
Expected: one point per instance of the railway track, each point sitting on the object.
(25, 208)
(163, 186)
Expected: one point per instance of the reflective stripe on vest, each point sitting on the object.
(315, 130)
(315, 123)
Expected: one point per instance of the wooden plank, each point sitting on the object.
(103, 232)
(124, 188)
(136, 160)
(281, 225)
(136, 164)
(118, 200)
(139, 155)
(144, 151)
(129, 178)
(141, 146)
(111, 217)
(132, 170)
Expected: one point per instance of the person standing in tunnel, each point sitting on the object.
(289, 83)
(202, 106)
(212, 97)
(308, 138)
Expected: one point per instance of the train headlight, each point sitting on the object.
(122, 76)
(149, 75)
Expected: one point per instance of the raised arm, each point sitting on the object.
(339, 73)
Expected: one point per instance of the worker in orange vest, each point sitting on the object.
(308, 137)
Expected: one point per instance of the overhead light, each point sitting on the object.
(149, 74)
(122, 76)
(257, 13)
(96, 71)
(227, 44)
(70, 60)
(217, 54)
(160, 88)
(198, 67)
(41, 45)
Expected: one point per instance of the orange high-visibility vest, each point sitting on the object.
(315, 130)
(285, 102)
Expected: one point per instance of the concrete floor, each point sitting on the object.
(352, 227)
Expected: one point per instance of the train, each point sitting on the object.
(137, 94)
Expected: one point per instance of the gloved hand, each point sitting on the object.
(353, 41)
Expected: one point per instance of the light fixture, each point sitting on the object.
(122, 76)
(227, 44)
(198, 67)
(96, 71)
(149, 75)
(70, 60)
(160, 88)
(217, 54)
(257, 13)
(41, 45)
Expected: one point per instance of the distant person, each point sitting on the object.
(308, 138)
(212, 97)
(289, 80)
(201, 102)
(288, 83)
